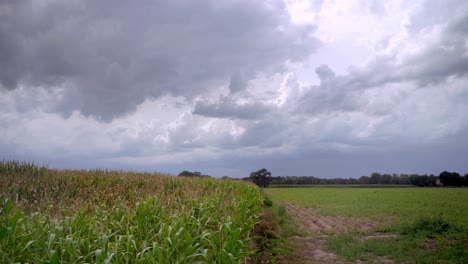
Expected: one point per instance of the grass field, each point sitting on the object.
(71, 216)
(400, 204)
(427, 225)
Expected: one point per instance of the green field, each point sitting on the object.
(430, 225)
(100, 216)
(401, 204)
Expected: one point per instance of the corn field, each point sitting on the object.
(101, 216)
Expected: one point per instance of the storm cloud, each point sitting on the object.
(324, 88)
(107, 57)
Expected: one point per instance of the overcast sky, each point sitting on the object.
(324, 88)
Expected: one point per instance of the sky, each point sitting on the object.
(326, 88)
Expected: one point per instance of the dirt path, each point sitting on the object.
(311, 247)
(311, 221)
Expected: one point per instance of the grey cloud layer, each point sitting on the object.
(198, 63)
(108, 57)
(228, 107)
(418, 96)
(434, 63)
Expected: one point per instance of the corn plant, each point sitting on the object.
(101, 216)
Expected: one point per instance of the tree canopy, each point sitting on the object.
(262, 178)
(192, 174)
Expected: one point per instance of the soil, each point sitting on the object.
(311, 247)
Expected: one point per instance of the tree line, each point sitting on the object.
(193, 174)
(263, 179)
(445, 178)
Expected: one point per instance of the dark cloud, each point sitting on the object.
(434, 12)
(108, 57)
(228, 107)
(238, 83)
(169, 61)
(325, 73)
(331, 163)
(445, 58)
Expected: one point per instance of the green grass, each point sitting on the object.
(399, 204)
(70, 216)
(341, 186)
(431, 224)
(447, 248)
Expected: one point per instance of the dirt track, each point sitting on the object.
(309, 219)
(311, 248)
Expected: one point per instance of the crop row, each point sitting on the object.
(69, 216)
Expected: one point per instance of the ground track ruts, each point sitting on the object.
(311, 247)
(309, 219)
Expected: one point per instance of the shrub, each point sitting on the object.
(428, 226)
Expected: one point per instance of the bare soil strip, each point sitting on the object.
(309, 219)
(311, 248)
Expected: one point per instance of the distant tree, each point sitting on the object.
(186, 174)
(405, 179)
(288, 180)
(395, 179)
(386, 179)
(192, 174)
(352, 181)
(364, 180)
(375, 178)
(262, 178)
(450, 178)
(423, 180)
